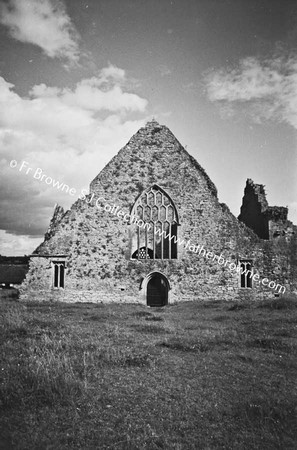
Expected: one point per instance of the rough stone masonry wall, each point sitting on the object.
(97, 243)
(281, 255)
(279, 225)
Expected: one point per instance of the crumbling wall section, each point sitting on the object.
(254, 206)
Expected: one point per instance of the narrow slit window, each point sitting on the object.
(58, 274)
(246, 274)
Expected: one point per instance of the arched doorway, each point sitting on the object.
(157, 290)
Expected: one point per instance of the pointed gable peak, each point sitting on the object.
(153, 135)
(152, 123)
(153, 147)
(152, 126)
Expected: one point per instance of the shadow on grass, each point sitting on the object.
(270, 344)
(44, 324)
(212, 304)
(239, 307)
(221, 318)
(96, 317)
(281, 303)
(186, 347)
(141, 314)
(150, 328)
(274, 416)
(154, 319)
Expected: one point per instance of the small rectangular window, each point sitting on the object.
(246, 273)
(58, 274)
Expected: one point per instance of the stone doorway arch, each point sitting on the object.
(155, 288)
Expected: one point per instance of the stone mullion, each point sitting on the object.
(63, 275)
(58, 275)
(57, 272)
(138, 241)
(154, 241)
(146, 242)
(169, 242)
(162, 240)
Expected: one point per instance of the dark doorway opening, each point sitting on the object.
(157, 291)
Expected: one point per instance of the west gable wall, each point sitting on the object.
(97, 244)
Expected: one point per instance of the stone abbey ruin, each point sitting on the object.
(98, 252)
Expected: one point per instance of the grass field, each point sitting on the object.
(189, 376)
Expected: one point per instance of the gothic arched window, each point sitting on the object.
(155, 220)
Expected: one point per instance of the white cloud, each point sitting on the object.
(107, 77)
(69, 134)
(88, 96)
(12, 245)
(264, 90)
(44, 23)
(113, 72)
(103, 92)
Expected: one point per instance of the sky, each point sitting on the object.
(79, 78)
